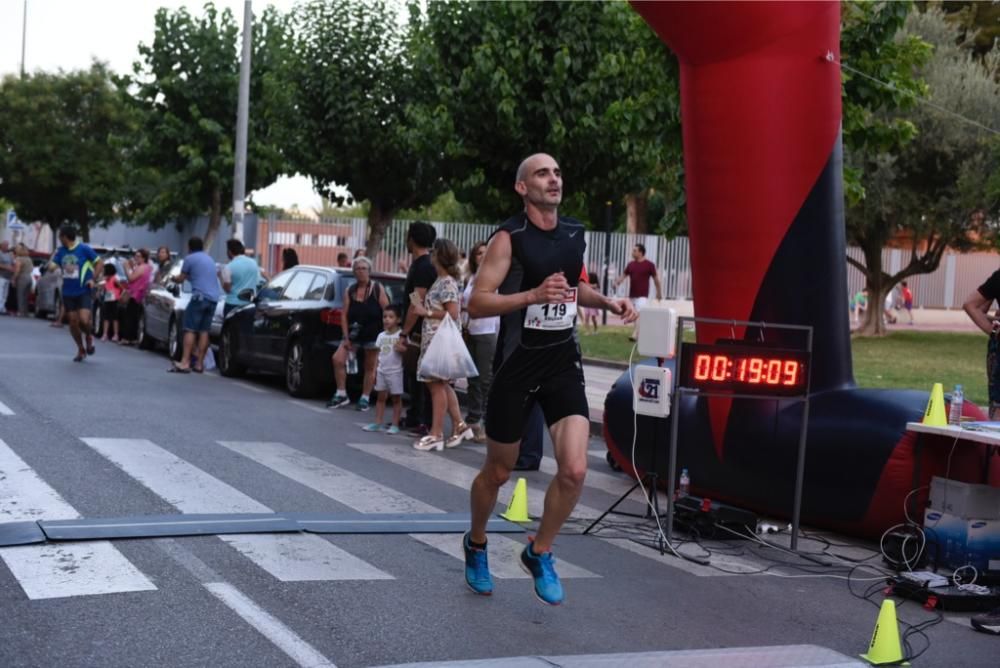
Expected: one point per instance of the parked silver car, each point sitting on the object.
(163, 313)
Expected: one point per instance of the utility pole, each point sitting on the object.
(24, 34)
(242, 115)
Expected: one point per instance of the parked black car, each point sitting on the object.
(293, 326)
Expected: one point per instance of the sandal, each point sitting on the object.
(79, 357)
(429, 442)
(461, 432)
(178, 369)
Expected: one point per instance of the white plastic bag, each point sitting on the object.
(446, 357)
(209, 359)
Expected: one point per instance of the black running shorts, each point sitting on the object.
(552, 376)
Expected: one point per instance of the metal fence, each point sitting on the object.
(320, 243)
(958, 275)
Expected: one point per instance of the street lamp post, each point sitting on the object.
(24, 34)
(242, 115)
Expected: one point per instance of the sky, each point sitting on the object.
(69, 34)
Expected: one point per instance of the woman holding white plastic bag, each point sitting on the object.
(438, 365)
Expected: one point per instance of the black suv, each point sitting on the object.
(293, 326)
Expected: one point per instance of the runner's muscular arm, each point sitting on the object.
(589, 297)
(485, 302)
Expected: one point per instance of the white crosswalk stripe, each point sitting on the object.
(368, 496)
(289, 558)
(95, 567)
(454, 473)
(57, 570)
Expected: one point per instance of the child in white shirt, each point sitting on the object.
(389, 374)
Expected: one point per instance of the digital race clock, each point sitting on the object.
(744, 369)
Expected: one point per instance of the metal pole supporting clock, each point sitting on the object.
(741, 369)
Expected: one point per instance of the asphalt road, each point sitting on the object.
(116, 436)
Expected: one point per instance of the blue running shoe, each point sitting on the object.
(477, 569)
(541, 567)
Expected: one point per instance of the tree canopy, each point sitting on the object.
(185, 87)
(939, 190)
(589, 83)
(350, 85)
(62, 142)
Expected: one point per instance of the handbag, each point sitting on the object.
(446, 357)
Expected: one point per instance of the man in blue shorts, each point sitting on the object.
(198, 268)
(79, 264)
(531, 279)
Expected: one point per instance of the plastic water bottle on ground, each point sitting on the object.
(955, 411)
(352, 363)
(685, 485)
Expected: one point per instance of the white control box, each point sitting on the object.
(657, 330)
(651, 389)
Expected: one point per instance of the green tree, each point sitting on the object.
(978, 21)
(878, 77)
(350, 85)
(186, 89)
(445, 209)
(940, 189)
(62, 139)
(589, 83)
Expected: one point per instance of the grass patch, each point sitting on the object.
(906, 360)
(917, 360)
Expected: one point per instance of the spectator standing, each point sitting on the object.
(441, 301)
(977, 306)
(342, 260)
(79, 264)
(240, 274)
(110, 293)
(907, 296)
(420, 275)
(363, 304)
(21, 278)
(6, 274)
(389, 375)
(890, 304)
(639, 272)
(289, 259)
(859, 304)
(162, 263)
(591, 315)
(140, 274)
(481, 339)
(199, 269)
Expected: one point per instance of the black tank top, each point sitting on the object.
(535, 255)
(365, 314)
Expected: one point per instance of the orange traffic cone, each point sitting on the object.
(885, 648)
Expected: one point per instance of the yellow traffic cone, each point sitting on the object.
(885, 648)
(517, 509)
(935, 416)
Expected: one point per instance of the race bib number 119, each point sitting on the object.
(549, 317)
